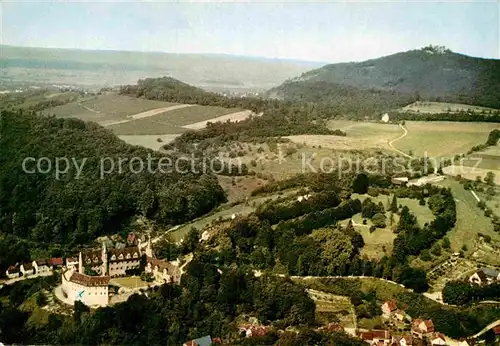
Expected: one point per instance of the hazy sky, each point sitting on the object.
(320, 31)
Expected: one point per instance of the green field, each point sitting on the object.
(121, 106)
(470, 219)
(442, 138)
(442, 107)
(169, 122)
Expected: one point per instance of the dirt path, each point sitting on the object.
(475, 196)
(397, 139)
(89, 109)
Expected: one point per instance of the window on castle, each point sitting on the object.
(121, 256)
(128, 256)
(113, 257)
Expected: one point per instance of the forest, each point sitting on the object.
(45, 210)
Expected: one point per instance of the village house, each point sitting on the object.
(438, 339)
(41, 266)
(90, 290)
(400, 315)
(388, 307)
(421, 328)
(162, 271)
(251, 330)
(71, 262)
(27, 269)
(55, 262)
(484, 276)
(13, 272)
(376, 337)
(405, 340)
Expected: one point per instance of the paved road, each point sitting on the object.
(397, 139)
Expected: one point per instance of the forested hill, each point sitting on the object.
(433, 73)
(78, 207)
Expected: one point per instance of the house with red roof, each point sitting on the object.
(251, 330)
(405, 340)
(56, 262)
(421, 328)
(438, 339)
(389, 307)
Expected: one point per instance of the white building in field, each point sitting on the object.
(90, 290)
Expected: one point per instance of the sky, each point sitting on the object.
(313, 31)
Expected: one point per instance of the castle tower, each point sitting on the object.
(149, 249)
(104, 259)
(80, 263)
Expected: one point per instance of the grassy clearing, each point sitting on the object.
(130, 282)
(443, 139)
(470, 219)
(380, 242)
(333, 308)
(442, 107)
(121, 106)
(422, 212)
(224, 212)
(360, 136)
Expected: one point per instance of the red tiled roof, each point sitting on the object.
(438, 336)
(190, 343)
(429, 325)
(391, 304)
(381, 334)
(56, 261)
(366, 335)
(89, 281)
(496, 330)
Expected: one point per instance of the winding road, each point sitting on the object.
(397, 139)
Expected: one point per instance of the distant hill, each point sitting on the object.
(108, 68)
(431, 73)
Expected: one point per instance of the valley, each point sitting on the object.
(315, 212)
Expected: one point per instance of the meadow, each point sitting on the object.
(470, 219)
(442, 107)
(442, 138)
(380, 242)
(360, 136)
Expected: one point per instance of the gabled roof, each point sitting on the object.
(56, 261)
(429, 325)
(41, 262)
(366, 336)
(27, 266)
(89, 281)
(391, 304)
(13, 269)
(381, 334)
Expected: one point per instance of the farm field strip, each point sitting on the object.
(237, 116)
(157, 111)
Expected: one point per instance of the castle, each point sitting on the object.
(93, 290)
(115, 262)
